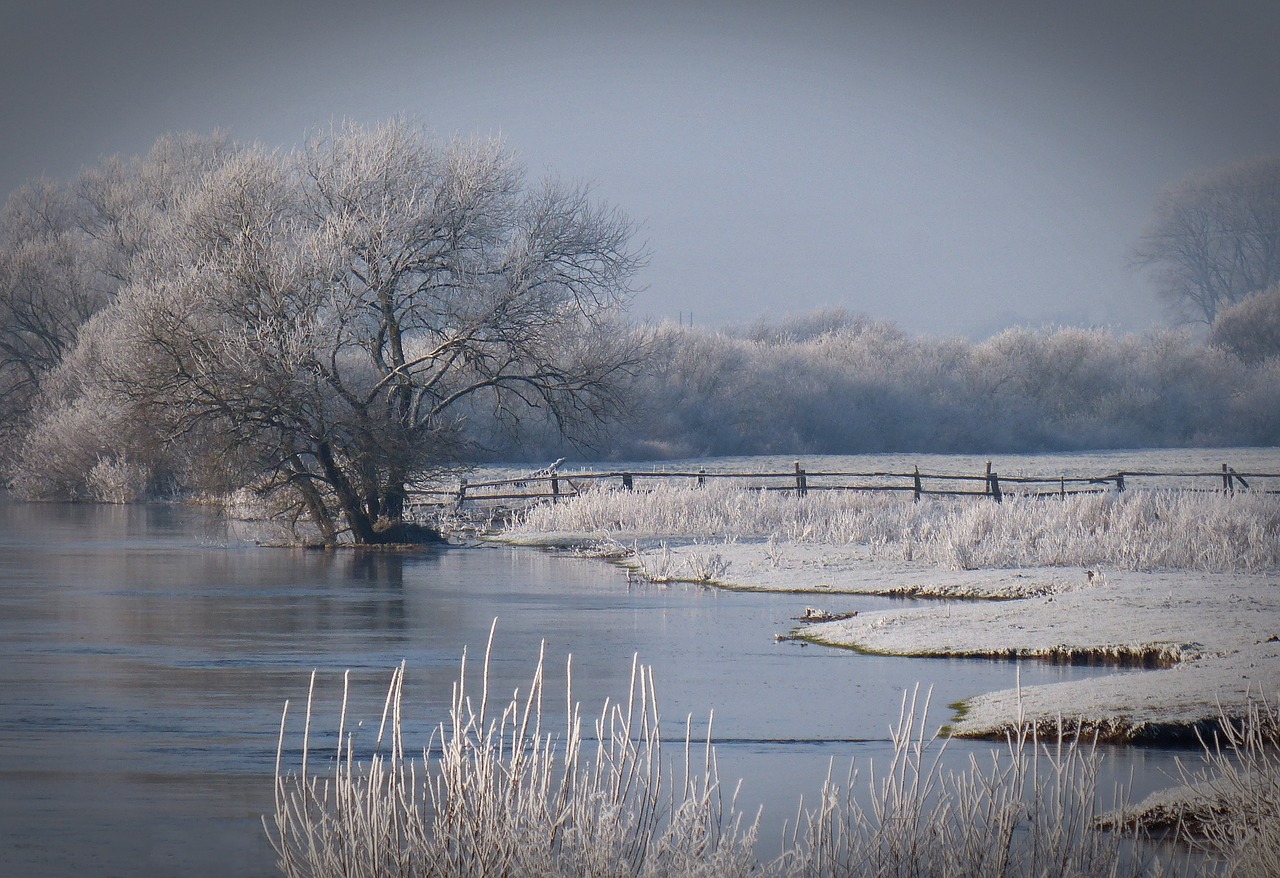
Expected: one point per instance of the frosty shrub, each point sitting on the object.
(661, 569)
(117, 480)
(706, 566)
(494, 792)
(65, 446)
(1156, 530)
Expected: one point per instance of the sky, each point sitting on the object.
(955, 166)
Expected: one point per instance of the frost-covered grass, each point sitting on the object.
(1241, 776)
(1229, 805)
(1134, 530)
(494, 792)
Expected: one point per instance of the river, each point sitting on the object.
(146, 653)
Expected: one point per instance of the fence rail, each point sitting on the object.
(550, 487)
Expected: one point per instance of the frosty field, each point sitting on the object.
(1182, 584)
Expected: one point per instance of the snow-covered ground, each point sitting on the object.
(1215, 637)
(1205, 629)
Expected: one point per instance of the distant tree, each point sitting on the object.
(1215, 239)
(48, 289)
(329, 316)
(66, 250)
(1250, 329)
(804, 327)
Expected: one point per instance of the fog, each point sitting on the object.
(833, 383)
(957, 168)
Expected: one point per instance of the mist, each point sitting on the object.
(956, 168)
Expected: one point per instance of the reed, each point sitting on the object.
(494, 792)
(1031, 809)
(1133, 530)
(1234, 812)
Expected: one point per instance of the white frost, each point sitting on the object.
(1189, 584)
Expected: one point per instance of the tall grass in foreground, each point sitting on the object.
(1236, 815)
(494, 793)
(1162, 530)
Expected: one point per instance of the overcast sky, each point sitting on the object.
(957, 167)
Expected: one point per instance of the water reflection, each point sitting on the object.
(145, 654)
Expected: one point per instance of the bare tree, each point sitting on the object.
(1215, 239)
(338, 310)
(47, 290)
(66, 250)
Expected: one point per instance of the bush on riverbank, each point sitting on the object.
(1134, 530)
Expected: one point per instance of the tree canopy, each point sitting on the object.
(324, 321)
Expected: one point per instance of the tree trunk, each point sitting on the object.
(367, 528)
(355, 513)
(319, 513)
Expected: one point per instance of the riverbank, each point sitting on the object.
(1206, 639)
(1207, 643)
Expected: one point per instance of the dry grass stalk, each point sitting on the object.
(1134, 530)
(494, 793)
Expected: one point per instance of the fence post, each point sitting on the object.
(1236, 478)
(1119, 481)
(555, 489)
(1226, 479)
(462, 491)
(916, 497)
(702, 476)
(626, 482)
(802, 481)
(993, 483)
(1062, 487)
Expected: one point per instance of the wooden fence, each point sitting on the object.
(550, 487)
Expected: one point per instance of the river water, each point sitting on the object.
(146, 653)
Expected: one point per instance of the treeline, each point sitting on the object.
(831, 382)
(332, 324)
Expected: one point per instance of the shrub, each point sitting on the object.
(117, 480)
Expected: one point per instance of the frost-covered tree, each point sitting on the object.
(48, 289)
(65, 250)
(1250, 329)
(1215, 238)
(329, 316)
